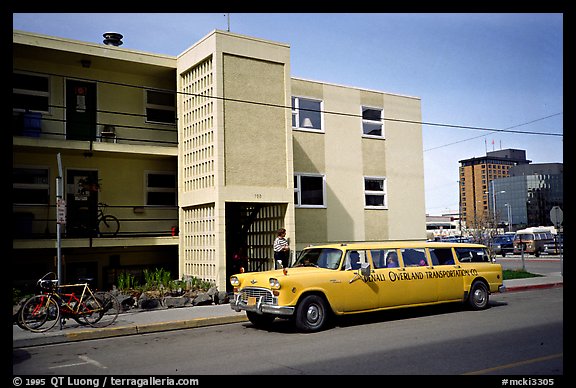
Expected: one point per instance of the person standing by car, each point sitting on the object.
(281, 248)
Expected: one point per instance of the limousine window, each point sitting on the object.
(413, 257)
(354, 260)
(322, 257)
(384, 258)
(441, 256)
(472, 255)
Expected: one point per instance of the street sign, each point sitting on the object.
(60, 211)
(556, 216)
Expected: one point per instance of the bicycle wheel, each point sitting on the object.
(100, 310)
(108, 225)
(40, 313)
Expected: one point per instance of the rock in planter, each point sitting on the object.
(202, 299)
(176, 301)
(126, 301)
(146, 303)
(222, 297)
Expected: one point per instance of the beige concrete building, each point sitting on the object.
(201, 156)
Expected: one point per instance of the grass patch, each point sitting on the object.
(509, 274)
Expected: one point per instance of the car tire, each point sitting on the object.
(260, 320)
(479, 296)
(312, 314)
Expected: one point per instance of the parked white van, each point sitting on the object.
(532, 240)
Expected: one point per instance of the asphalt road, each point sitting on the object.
(520, 334)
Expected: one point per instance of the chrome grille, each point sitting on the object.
(266, 295)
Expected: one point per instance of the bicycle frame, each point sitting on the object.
(67, 307)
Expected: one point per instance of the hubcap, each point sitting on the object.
(479, 297)
(313, 313)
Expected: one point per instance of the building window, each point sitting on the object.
(30, 185)
(375, 192)
(307, 114)
(372, 122)
(161, 188)
(30, 93)
(160, 107)
(309, 190)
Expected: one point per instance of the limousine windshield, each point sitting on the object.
(328, 258)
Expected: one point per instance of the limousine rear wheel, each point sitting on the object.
(311, 314)
(478, 297)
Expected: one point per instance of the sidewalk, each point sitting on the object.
(148, 321)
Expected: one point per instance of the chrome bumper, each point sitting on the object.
(259, 307)
(502, 288)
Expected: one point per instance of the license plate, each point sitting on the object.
(251, 301)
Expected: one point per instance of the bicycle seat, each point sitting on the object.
(47, 284)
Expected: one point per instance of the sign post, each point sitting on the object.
(557, 216)
(60, 216)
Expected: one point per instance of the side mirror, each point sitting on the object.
(364, 269)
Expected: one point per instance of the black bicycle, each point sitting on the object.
(108, 225)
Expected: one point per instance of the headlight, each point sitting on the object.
(234, 281)
(274, 284)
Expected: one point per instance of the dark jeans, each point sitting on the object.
(283, 256)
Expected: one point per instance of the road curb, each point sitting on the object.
(108, 332)
(534, 286)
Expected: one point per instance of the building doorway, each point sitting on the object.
(80, 110)
(81, 203)
(250, 232)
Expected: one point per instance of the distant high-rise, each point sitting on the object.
(475, 176)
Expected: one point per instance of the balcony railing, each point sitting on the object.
(107, 129)
(39, 222)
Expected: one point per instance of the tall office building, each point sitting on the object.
(475, 176)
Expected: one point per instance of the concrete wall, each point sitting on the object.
(345, 157)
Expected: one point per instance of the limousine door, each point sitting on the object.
(355, 293)
(400, 285)
(447, 273)
(410, 284)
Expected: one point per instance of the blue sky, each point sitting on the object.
(495, 71)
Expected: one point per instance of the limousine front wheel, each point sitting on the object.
(478, 297)
(311, 314)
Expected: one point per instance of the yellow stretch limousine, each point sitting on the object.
(360, 277)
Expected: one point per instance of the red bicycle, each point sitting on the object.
(57, 302)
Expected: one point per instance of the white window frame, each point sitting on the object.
(148, 189)
(296, 114)
(297, 190)
(383, 193)
(29, 92)
(33, 186)
(148, 105)
(379, 122)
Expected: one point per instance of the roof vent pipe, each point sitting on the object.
(113, 39)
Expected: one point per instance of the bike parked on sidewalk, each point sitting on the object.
(58, 302)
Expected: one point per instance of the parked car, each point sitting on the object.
(556, 247)
(502, 244)
(338, 279)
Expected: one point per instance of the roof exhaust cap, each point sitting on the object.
(113, 39)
